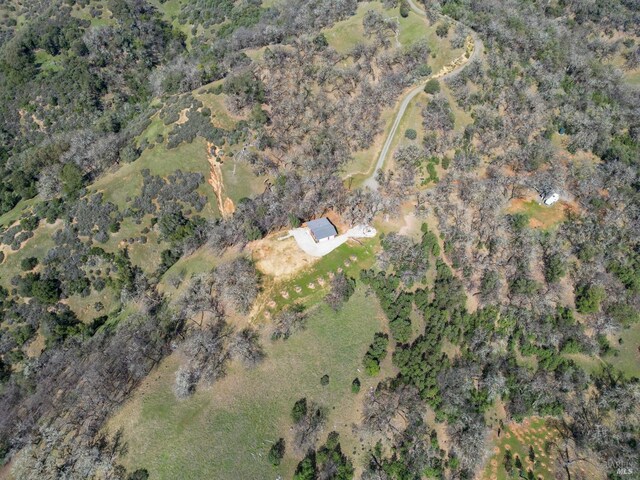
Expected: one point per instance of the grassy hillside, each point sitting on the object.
(126, 182)
(226, 431)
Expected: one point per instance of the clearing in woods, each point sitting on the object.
(225, 431)
(517, 438)
(626, 351)
(540, 216)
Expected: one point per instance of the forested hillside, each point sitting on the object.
(158, 321)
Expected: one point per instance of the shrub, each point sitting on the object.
(433, 175)
(276, 452)
(129, 153)
(588, 298)
(140, 474)
(554, 268)
(432, 87)
(376, 353)
(424, 70)
(404, 8)
(411, 134)
(28, 263)
(29, 223)
(320, 41)
(46, 290)
(167, 258)
(442, 30)
(342, 287)
(324, 381)
(294, 221)
(624, 314)
(355, 385)
(299, 410)
(71, 178)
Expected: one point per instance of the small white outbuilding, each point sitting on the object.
(551, 199)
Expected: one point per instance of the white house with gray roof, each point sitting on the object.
(322, 229)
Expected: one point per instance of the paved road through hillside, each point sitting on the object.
(371, 181)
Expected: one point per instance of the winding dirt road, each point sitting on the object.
(459, 64)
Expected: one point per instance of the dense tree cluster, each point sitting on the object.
(342, 287)
(327, 462)
(84, 112)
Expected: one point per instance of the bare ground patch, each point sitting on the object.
(36, 346)
(183, 117)
(225, 204)
(280, 259)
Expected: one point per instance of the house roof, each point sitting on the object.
(321, 228)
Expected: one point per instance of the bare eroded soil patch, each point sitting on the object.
(225, 204)
(280, 259)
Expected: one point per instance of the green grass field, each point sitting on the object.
(14, 214)
(344, 35)
(127, 180)
(100, 21)
(517, 438)
(84, 307)
(364, 254)
(155, 128)
(47, 63)
(540, 216)
(37, 246)
(633, 78)
(201, 261)
(589, 363)
(239, 180)
(216, 103)
(627, 357)
(225, 432)
(145, 255)
(170, 9)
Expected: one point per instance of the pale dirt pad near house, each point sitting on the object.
(280, 259)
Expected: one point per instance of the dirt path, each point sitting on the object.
(472, 51)
(225, 204)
